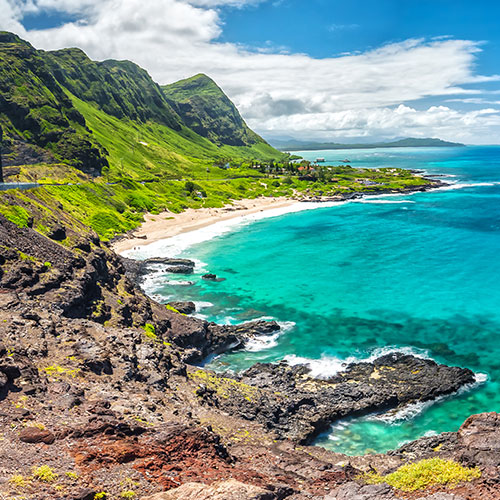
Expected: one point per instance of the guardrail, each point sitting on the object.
(5, 186)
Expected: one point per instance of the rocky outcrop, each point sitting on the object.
(200, 339)
(94, 383)
(137, 270)
(183, 307)
(296, 406)
(220, 490)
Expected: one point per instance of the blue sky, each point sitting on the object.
(322, 69)
(324, 28)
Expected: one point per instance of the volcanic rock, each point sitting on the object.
(221, 490)
(183, 307)
(36, 435)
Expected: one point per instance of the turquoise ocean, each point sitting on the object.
(417, 273)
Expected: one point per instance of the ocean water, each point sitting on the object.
(418, 273)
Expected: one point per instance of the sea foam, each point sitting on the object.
(328, 366)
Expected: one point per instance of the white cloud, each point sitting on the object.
(387, 123)
(349, 95)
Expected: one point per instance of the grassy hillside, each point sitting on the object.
(122, 147)
(119, 88)
(39, 121)
(61, 107)
(204, 108)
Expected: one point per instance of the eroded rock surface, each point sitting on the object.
(96, 384)
(288, 401)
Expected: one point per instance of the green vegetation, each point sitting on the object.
(128, 494)
(225, 387)
(45, 473)
(204, 108)
(56, 371)
(420, 475)
(182, 146)
(18, 215)
(18, 481)
(38, 119)
(149, 331)
(170, 308)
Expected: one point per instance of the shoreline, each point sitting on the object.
(168, 224)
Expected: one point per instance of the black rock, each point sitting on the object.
(212, 277)
(57, 233)
(86, 494)
(183, 307)
(296, 406)
(179, 269)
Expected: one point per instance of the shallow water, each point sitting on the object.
(418, 272)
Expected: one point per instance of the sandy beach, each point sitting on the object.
(168, 224)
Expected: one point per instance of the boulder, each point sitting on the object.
(36, 435)
(57, 233)
(212, 277)
(183, 307)
(179, 269)
(220, 490)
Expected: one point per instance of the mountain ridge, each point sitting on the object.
(409, 142)
(60, 107)
(205, 108)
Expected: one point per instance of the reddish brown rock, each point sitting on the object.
(36, 435)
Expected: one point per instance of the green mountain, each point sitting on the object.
(293, 145)
(61, 108)
(39, 120)
(119, 88)
(204, 108)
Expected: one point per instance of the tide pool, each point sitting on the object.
(419, 273)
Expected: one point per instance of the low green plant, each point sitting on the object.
(45, 473)
(170, 308)
(150, 331)
(18, 481)
(128, 494)
(429, 472)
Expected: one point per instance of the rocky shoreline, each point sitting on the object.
(98, 386)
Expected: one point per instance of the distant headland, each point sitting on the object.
(297, 145)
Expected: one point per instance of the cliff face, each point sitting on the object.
(120, 88)
(96, 386)
(204, 108)
(39, 120)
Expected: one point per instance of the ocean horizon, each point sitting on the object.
(353, 280)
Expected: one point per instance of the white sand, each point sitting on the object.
(168, 224)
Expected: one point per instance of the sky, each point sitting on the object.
(329, 70)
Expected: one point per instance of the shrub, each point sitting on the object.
(18, 481)
(429, 472)
(150, 331)
(16, 214)
(127, 494)
(45, 473)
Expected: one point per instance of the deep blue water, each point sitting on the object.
(419, 273)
